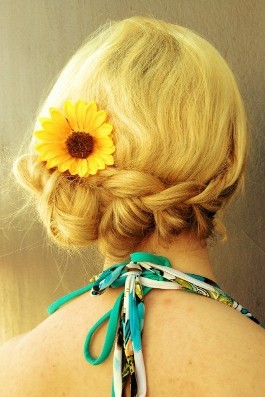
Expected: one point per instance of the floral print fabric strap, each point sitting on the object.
(126, 318)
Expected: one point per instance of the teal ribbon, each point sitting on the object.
(112, 316)
(110, 278)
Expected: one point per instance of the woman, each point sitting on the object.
(139, 146)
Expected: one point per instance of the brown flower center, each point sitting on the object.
(80, 145)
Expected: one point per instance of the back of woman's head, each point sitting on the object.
(179, 130)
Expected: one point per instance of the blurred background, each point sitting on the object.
(37, 37)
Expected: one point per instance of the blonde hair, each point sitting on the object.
(179, 131)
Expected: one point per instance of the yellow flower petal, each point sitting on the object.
(90, 113)
(105, 150)
(69, 109)
(80, 111)
(47, 136)
(62, 167)
(51, 155)
(56, 115)
(47, 124)
(107, 158)
(93, 163)
(49, 147)
(73, 167)
(58, 161)
(51, 128)
(82, 167)
(78, 167)
(98, 119)
(60, 122)
(93, 158)
(41, 134)
(44, 120)
(108, 150)
(104, 142)
(104, 130)
(100, 163)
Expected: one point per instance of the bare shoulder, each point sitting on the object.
(33, 364)
(217, 350)
(8, 362)
(49, 361)
(197, 346)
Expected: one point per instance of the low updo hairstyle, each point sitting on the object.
(179, 131)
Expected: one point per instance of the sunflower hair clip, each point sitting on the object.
(77, 139)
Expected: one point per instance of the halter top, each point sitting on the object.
(126, 319)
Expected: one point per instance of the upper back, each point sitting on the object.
(192, 346)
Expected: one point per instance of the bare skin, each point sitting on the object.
(193, 346)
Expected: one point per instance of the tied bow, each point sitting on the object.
(128, 358)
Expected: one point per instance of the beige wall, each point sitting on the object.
(37, 37)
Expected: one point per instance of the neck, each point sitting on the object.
(185, 253)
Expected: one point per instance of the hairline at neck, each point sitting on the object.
(186, 253)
